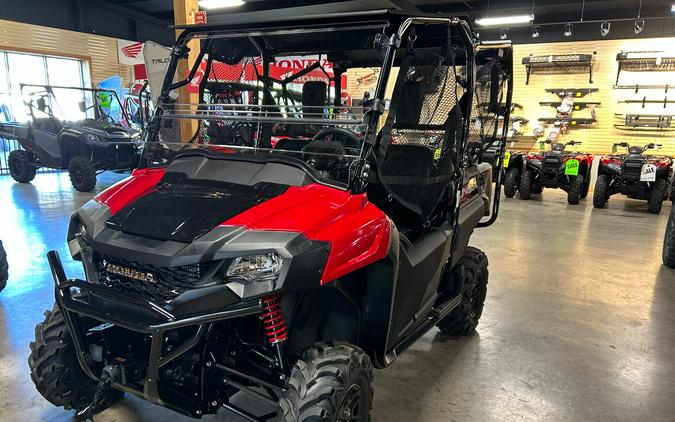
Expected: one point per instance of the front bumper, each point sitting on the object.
(76, 298)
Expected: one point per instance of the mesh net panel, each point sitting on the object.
(419, 159)
(486, 120)
(229, 84)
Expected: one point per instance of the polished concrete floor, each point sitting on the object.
(579, 323)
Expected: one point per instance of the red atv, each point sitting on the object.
(635, 174)
(286, 273)
(569, 171)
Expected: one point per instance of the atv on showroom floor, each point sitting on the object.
(512, 165)
(635, 174)
(557, 168)
(292, 245)
(82, 147)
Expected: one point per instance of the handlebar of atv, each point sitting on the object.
(573, 143)
(651, 145)
(621, 144)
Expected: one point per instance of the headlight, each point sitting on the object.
(92, 138)
(255, 268)
(255, 274)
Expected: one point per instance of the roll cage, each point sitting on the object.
(397, 37)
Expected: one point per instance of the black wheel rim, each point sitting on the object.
(350, 408)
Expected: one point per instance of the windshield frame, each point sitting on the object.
(389, 42)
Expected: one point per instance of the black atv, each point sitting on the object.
(512, 165)
(635, 174)
(83, 147)
(556, 168)
(4, 267)
(301, 246)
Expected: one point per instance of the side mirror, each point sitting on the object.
(41, 104)
(83, 106)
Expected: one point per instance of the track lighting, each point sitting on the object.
(639, 26)
(503, 33)
(534, 33)
(505, 20)
(604, 28)
(568, 30)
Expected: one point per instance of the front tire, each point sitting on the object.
(574, 191)
(329, 383)
(471, 273)
(511, 182)
(4, 267)
(82, 174)
(19, 168)
(55, 370)
(600, 196)
(526, 185)
(668, 253)
(655, 201)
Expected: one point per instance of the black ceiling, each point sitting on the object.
(147, 19)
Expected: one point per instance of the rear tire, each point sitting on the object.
(471, 272)
(511, 182)
(586, 186)
(329, 383)
(574, 191)
(82, 174)
(668, 253)
(526, 185)
(655, 201)
(55, 370)
(600, 196)
(4, 267)
(19, 167)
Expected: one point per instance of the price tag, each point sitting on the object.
(648, 173)
(572, 167)
(507, 158)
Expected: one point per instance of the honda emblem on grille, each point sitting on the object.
(131, 273)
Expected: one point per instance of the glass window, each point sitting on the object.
(27, 69)
(5, 108)
(66, 72)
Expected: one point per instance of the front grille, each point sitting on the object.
(158, 284)
(552, 164)
(632, 168)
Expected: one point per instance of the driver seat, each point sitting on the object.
(314, 96)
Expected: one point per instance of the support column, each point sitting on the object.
(183, 14)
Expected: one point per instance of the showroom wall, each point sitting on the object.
(598, 137)
(100, 52)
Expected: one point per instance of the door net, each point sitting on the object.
(418, 158)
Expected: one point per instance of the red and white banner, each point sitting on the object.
(130, 52)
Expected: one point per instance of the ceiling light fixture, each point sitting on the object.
(604, 28)
(219, 4)
(672, 8)
(505, 20)
(568, 30)
(534, 33)
(639, 26)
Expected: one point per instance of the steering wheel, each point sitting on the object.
(353, 140)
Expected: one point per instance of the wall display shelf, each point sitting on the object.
(569, 121)
(571, 92)
(644, 101)
(638, 87)
(644, 61)
(644, 122)
(578, 105)
(573, 63)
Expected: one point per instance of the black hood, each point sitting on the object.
(185, 211)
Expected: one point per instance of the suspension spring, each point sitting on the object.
(273, 320)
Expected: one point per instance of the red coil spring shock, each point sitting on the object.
(273, 320)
